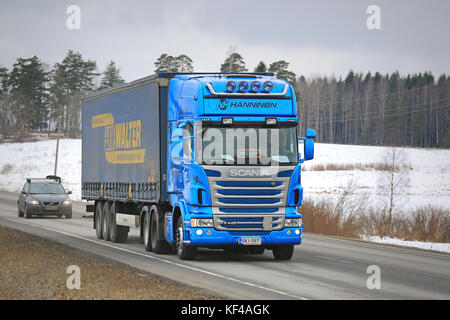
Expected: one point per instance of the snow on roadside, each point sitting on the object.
(433, 246)
(19, 161)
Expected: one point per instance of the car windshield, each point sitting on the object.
(48, 188)
(248, 146)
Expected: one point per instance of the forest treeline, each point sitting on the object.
(369, 109)
(376, 109)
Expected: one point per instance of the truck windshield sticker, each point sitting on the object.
(122, 142)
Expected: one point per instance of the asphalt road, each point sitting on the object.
(321, 268)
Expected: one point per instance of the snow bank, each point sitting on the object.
(434, 246)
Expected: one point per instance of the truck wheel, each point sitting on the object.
(146, 231)
(118, 234)
(105, 221)
(283, 252)
(184, 251)
(158, 246)
(98, 220)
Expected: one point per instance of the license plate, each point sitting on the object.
(250, 241)
(52, 208)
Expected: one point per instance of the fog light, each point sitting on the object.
(209, 232)
(268, 86)
(288, 232)
(199, 232)
(297, 232)
(255, 86)
(243, 86)
(231, 86)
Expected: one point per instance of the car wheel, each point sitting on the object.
(185, 252)
(68, 216)
(20, 214)
(98, 220)
(27, 214)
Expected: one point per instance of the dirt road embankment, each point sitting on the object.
(35, 268)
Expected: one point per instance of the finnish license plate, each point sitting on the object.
(52, 208)
(250, 241)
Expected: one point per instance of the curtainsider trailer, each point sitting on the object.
(196, 160)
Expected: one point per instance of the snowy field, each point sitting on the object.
(428, 172)
(428, 175)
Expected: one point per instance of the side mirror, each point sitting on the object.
(69, 192)
(23, 192)
(309, 149)
(310, 133)
(308, 145)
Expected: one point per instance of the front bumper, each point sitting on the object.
(40, 210)
(212, 237)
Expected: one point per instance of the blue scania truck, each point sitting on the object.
(196, 160)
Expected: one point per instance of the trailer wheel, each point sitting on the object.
(283, 252)
(146, 231)
(98, 219)
(185, 252)
(105, 221)
(118, 234)
(159, 246)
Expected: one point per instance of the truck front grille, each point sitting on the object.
(248, 222)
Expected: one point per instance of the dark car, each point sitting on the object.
(44, 197)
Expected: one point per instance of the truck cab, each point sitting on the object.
(234, 168)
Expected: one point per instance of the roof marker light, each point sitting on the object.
(255, 86)
(231, 86)
(268, 86)
(243, 86)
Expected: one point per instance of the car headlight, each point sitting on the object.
(34, 202)
(293, 223)
(201, 223)
(67, 202)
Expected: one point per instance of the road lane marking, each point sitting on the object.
(334, 259)
(166, 261)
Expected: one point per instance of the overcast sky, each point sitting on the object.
(315, 37)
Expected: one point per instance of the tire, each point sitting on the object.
(185, 252)
(68, 216)
(158, 246)
(283, 252)
(146, 231)
(98, 220)
(106, 221)
(118, 234)
(59, 216)
(20, 213)
(27, 215)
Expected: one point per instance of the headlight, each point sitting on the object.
(201, 223)
(293, 223)
(34, 202)
(67, 202)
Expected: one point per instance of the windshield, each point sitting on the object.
(48, 188)
(248, 146)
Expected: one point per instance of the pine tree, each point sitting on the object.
(261, 67)
(27, 84)
(71, 80)
(280, 69)
(167, 63)
(234, 63)
(111, 76)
